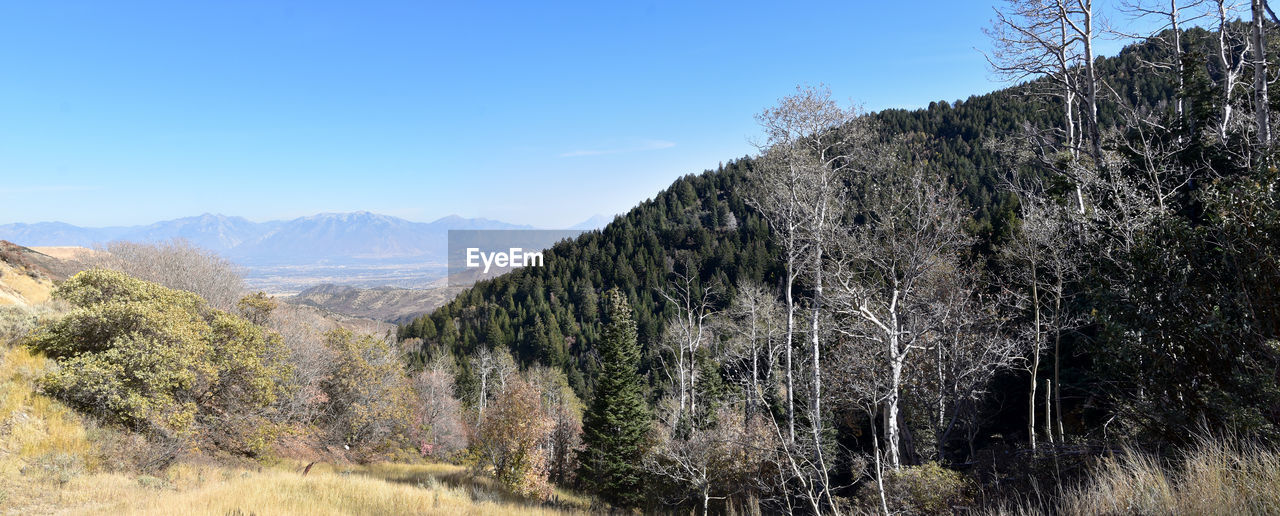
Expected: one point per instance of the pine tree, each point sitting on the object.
(616, 424)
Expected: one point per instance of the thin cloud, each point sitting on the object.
(646, 146)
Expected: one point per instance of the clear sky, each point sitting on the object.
(542, 113)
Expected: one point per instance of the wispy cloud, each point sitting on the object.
(642, 146)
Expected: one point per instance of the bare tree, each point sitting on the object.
(1078, 16)
(483, 364)
(753, 323)
(1031, 40)
(865, 381)
(813, 145)
(439, 413)
(1054, 38)
(888, 271)
(1230, 61)
(970, 348)
(1043, 262)
(688, 331)
(777, 192)
(1262, 108)
(708, 459)
(303, 333)
(1173, 16)
(179, 265)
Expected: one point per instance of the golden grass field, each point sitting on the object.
(49, 465)
(19, 288)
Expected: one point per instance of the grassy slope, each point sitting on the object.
(49, 463)
(22, 289)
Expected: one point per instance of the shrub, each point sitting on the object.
(56, 467)
(160, 360)
(924, 489)
(511, 440)
(15, 323)
(367, 392)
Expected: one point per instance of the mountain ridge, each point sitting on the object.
(322, 237)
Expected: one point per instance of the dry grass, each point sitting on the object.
(189, 489)
(50, 463)
(42, 442)
(21, 289)
(1215, 477)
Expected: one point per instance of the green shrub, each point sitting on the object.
(55, 467)
(160, 360)
(151, 482)
(16, 322)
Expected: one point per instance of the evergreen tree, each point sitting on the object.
(616, 424)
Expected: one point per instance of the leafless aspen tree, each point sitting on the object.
(688, 331)
(753, 323)
(1054, 38)
(1078, 15)
(704, 458)
(811, 143)
(1261, 107)
(888, 271)
(483, 365)
(1174, 15)
(1042, 263)
(808, 146)
(968, 351)
(1230, 62)
(438, 411)
(1031, 40)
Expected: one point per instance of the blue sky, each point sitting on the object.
(125, 112)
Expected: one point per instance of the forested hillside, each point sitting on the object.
(548, 315)
(906, 311)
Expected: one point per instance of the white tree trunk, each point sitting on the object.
(1174, 23)
(1048, 406)
(891, 419)
(1035, 360)
(791, 324)
(1262, 108)
(1229, 73)
(815, 405)
(1091, 89)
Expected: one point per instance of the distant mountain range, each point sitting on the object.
(325, 238)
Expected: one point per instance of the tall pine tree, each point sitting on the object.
(616, 424)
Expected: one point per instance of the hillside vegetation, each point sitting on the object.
(52, 459)
(1063, 297)
(122, 396)
(979, 299)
